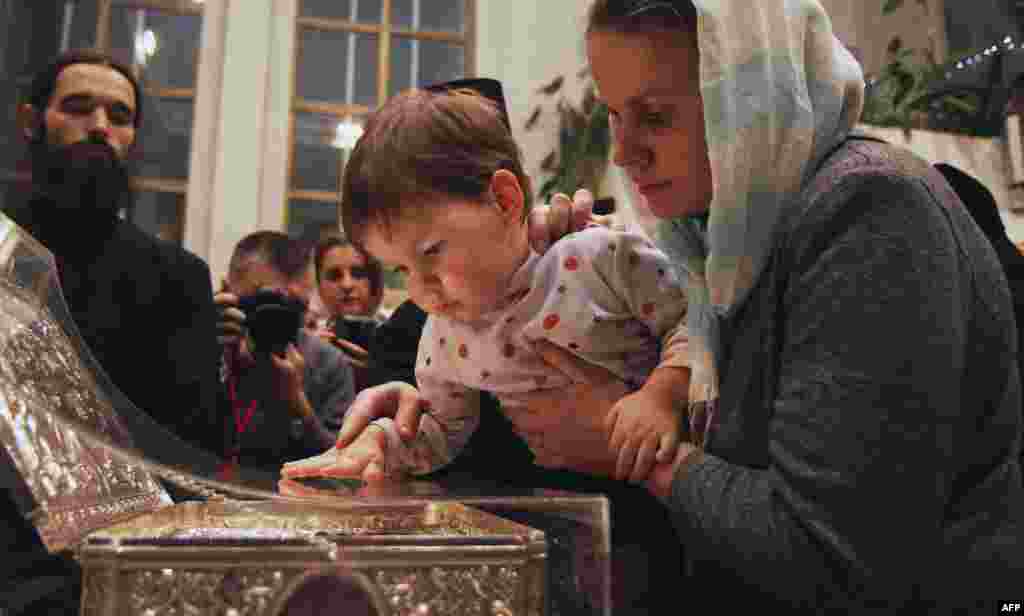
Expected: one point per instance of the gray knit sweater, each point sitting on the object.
(273, 435)
(866, 447)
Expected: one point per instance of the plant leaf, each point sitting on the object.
(554, 86)
(890, 6)
(548, 164)
(547, 188)
(589, 100)
(961, 104)
(532, 121)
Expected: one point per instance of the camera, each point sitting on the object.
(273, 320)
(356, 330)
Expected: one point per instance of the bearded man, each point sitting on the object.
(143, 306)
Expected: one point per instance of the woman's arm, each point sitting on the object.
(869, 381)
(869, 387)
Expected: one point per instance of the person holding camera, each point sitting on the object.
(287, 390)
(346, 305)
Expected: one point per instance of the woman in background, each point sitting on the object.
(350, 288)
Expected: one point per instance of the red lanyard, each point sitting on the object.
(241, 421)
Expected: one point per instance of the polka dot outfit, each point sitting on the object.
(609, 297)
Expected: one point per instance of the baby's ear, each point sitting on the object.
(508, 192)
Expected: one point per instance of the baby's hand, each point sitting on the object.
(645, 428)
(365, 458)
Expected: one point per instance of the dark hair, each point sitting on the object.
(285, 254)
(637, 16)
(981, 204)
(373, 266)
(491, 89)
(424, 143)
(45, 81)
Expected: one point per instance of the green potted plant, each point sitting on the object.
(902, 95)
(580, 156)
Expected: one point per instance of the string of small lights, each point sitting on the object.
(973, 61)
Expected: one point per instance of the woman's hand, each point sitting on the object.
(659, 482)
(567, 428)
(549, 223)
(645, 429)
(354, 354)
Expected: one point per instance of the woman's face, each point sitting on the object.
(345, 282)
(650, 83)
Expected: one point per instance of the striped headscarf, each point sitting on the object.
(780, 91)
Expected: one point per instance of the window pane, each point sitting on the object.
(83, 17)
(322, 71)
(417, 63)
(31, 34)
(166, 45)
(363, 11)
(433, 15)
(159, 214)
(312, 219)
(317, 162)
(322, 145)
(165, 138)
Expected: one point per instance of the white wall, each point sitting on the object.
(860, 23)
(526, 44)
(240, 133)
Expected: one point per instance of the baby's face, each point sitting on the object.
(457, 256)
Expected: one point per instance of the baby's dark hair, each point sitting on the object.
(422, 144)
(639, 16)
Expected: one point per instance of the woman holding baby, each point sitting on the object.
(850, 407)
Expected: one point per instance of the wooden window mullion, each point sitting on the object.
(469, 38)
(103, 26)
(337, 25)
(104, 16)
(291, 163)
(384, 53)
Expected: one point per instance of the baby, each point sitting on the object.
(435, 189)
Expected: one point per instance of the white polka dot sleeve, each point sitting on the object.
(637, 278)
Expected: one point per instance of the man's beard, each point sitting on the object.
(87, 182)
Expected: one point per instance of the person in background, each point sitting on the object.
(132, 296)
(143, 306)
(283, 403)
(350, 282)
(983, 208)
(350, 288)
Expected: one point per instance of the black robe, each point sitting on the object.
(145, 309)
